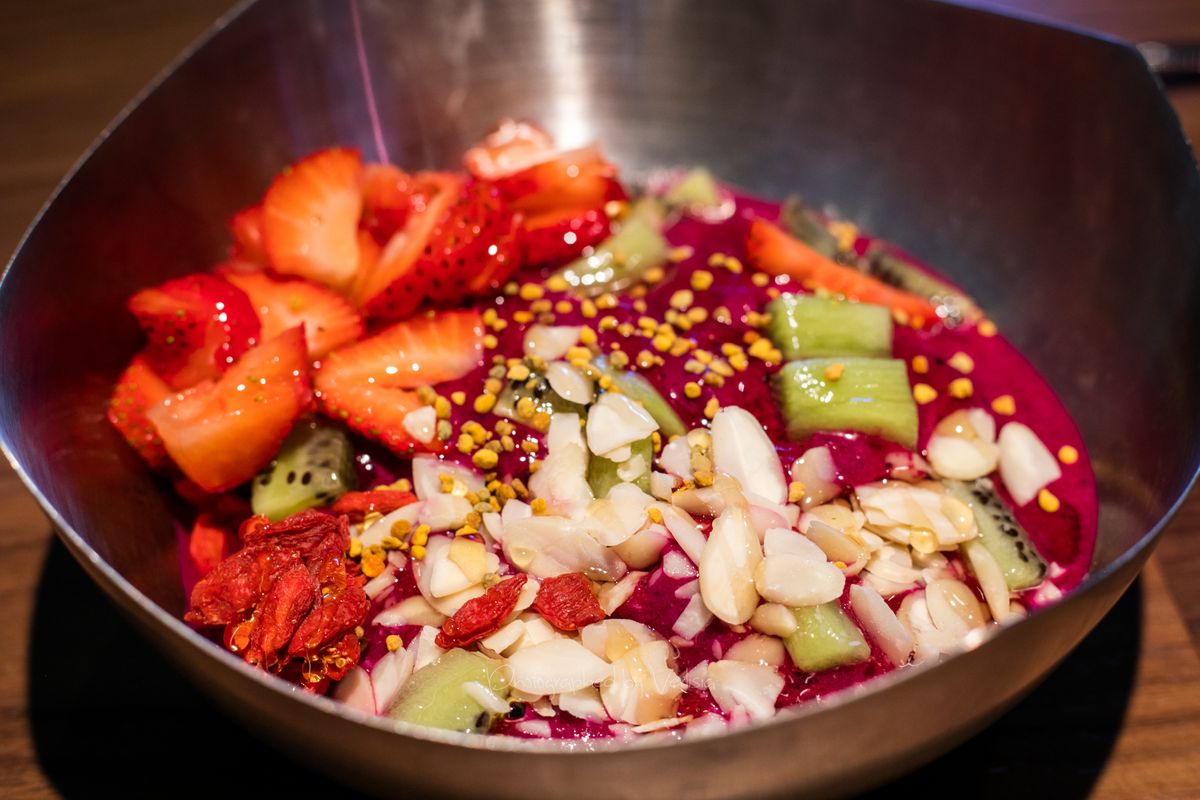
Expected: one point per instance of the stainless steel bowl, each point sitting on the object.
(1041, 168)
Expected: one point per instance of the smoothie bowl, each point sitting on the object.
(561, 460)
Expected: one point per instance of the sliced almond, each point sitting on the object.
(569, 383)
(559, 665)
(727, 567)
(753, 688)
(798, 581)
(1026, 464)
(880, 622)
(758, 649)
(742, 450)
(614, 421)
(550, 342)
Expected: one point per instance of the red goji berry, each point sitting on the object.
(280, 613)
(209, 543)
(567, 602)
(482, 616)
(237, 584)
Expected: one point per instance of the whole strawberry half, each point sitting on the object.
(220, 433)
(555, 239)
(328, 318)
(197, 326)
(371, 385)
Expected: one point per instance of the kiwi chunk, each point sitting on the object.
(435, 695)
(696, 189)
(804, 223)
(541, 397)
(619, 260)
(825, 638)
(865, 395)
(805, 326)
(640, 390)
(604, 473)
(314, 466)
(1001, 534)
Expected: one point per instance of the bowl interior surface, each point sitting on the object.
(1041, 169)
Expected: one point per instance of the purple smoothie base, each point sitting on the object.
(1065, 537)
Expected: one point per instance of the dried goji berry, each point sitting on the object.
(343, 607)
(567, 602)
(482, 616)
(236, 584)
(384, 501)
(280, 613)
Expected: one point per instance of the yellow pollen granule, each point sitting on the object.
(1005, 405)
(834, 371)
(662, 342)
(1068, 454)
(484, 459)
(760, 279)
(924, 393)
(682, 299)
(762, 348)
(394, 643)
(733, 265)
(556, 283)
(563, 307)
(490, 341)
(538, 505)
(587, 335)
(372, 563)
(1048, 502)
(518, 372)
(962, 362)
(531, 291)
(588, 309)
(490, 316)
(961, 388)
(654, 275)
(484, 403)
(697, 314)
(441, 407)
(691, 390)
(607, 300)
(355, 547)
(712, 407)
(795, 492)
(418, 552)
(702, 280)
(987, 328)
(655, 515)
(458, 398)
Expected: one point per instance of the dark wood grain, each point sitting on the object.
(86, 707)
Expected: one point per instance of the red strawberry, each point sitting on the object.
(329, 320)
(221, 433)
(137, 389)
(197, 326)
(575, 180)
(247, 229)
(310, 218)
(512, 147)
(371, 385)
(390, 287)
(560, 240)
(387, 196)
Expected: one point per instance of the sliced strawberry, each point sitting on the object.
(387, 200)
(329, 320)
(197, 327)
(475, 247)
(556, 239)
(221, 433)
(512, 147)
(138, 389)
(391, 287)
(247, 229)
(310, 218)
(576, 180)
(371, 385)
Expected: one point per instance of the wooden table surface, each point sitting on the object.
(86, 707)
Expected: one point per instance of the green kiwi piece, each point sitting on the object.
(314, 466)
(803, 223)
(434, 696)
(825, 638)
(603, 474)
(619, 260)
(805, 326)
(865, 395)
(640, 390)
(1001, 534)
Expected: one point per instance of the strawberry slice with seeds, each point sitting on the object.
(578, 179)
(511, 147)
(555, 239)
(221, 433)
(395, 285)
(387, 200)
(197, 326)
(247, 229)
(138, 389)
(329, 320)
(310, 218)
(372, 385)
